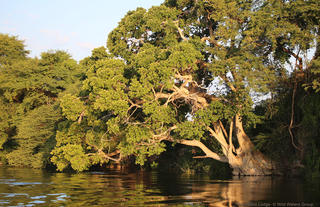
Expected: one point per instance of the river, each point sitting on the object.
(30, 187)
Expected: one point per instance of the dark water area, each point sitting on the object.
(29, 187)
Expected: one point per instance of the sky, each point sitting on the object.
(75, 26)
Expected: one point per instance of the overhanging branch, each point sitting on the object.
(206, 150)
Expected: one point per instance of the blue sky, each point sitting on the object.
(76, 26)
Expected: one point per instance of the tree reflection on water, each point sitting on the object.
(29, 187)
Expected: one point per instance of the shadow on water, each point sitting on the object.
(28, 187)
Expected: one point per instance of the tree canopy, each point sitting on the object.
(186, 72)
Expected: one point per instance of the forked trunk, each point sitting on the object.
(244, 160)
(247, 160)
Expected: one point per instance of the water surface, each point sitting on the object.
(29, 187)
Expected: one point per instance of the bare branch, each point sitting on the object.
(223, 129)
(180, 31)
(200, 157)
(210, 154)
(296, 56)
(219, 137)
(109, 156)
(292, 117)
(206, 150)
(231, 147)
(81, 117)
(132, 105)
(227, 81)
(213, 41)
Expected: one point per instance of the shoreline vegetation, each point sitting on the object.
(222, 87)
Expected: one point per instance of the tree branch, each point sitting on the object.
(292, 117)
(300, 65)
(227, 81)
(109, 156)
(231, 147)
(206, 150)
(219, 137)
(223, 129)
(81, 117)
(214, 42)
(180, 31)
(195, 143)
(243, 139)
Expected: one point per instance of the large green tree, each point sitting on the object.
(160, 87)
(186, 72)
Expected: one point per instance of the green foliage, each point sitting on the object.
(70, 153)
(314, 82)
(34, 131)
(71, 107)
(83, 143)
(97, 54)
(191, 130)
(11, 49)
(179, 59)
(139, 144)
(159, 15)
(70, 150)
(6, 128)
(29, 109)
(105, 79)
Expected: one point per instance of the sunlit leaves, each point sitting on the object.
(114, 125)
(191, 130)
(159, 113)
(157, 81)
(96, 54)
(72, 136)
(70, 154)
(131, 27)
(184, 56)
(34, 131)
(71, 107)
(38, 123)
(11, 49)
(160, 18)
(106, 81)
(111, 100)
(139, 90)
(315, 69)
(29, 88)
(139, 142)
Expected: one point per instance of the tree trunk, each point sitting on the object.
(245, 160)
(248, 160)
(250, 163)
